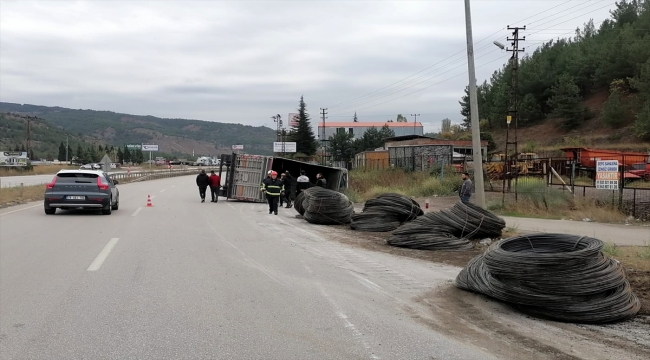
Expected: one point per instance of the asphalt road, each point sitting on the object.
(191, 280)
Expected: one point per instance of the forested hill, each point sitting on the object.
(594, 86)
(174, 136)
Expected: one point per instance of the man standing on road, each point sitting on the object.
(273, 189)
(288, 183)
(302, 182)
(215, 184)
(202, 181)
(465, 191)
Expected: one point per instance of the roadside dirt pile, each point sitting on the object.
(556, 276)
(385, 213)
(448, 229)
(325, 207)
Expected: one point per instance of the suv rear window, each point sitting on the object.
(72, 178)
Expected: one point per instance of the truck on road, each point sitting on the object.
(244, 174)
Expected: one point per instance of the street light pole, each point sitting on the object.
(477, 157)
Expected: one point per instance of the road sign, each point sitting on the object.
(607, 174)
(508, 119)
(134, 146)
(289, 147)
(106, 161)
(238, 147)
(149, 147)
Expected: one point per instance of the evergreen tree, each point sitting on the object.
(61, 156)
(613, 111)
(100, 150)
(446, 125)
(138, 157)
(80, 154)
(341, 146)
(465, 109)
(92, 154)
(565, 102)
(127, 155)
(120, 156)
(22, 148)
(401, 118)
(642, 124)
(355, 119)
(302, 134)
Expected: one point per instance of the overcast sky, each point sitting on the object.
(244, 61)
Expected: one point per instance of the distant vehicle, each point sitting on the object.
(90, 167)
(85, 189)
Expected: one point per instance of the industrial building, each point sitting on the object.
(357, 129)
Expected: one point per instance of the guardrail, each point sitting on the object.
(136, 176)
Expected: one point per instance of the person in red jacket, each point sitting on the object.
(215, 184)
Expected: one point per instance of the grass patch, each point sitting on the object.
(635, 257)
(364, 185)
(36, 170)
(536, 200)
(611, 249)
(18, 194)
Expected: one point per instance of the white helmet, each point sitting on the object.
(269, 173)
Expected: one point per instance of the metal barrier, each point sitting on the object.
(136, 176)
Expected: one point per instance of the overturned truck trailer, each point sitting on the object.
(243, 175)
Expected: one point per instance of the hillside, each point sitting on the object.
(592, 89)
(174, 136)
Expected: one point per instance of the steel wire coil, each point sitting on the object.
(326, 207)
(374, 221)
(557, 276)
(297, 203)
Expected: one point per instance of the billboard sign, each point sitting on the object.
(13, 158)
(133, 146)
(238, 147)
(293, 119)
(149, 147)
(607, 174)
(289, 147)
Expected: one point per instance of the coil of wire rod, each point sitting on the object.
(326, 207)
(297, 203)
(435, 240)
(403, 207)
(557, 276)
(374, 221)
(472, 221)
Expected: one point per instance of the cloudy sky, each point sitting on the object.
(244, 61)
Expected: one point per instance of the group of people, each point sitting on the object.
(279, 190)
(203, 181)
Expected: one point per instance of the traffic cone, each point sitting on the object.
(149, 204)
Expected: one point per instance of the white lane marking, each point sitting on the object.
(99, 260)
(23, 209)
(163, 190)
(135, 213)
(153, 196)
(173, 185)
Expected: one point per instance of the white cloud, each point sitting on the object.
(242, 61)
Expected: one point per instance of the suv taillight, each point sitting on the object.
(100, 184)
(51, 184)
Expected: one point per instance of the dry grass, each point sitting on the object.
(37, 170)
(364, 185)
(19, 194)
(636, 257)
(539, 201)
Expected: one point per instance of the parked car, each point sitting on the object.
(85, 189)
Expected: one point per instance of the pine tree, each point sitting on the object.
(465, 109)
(341, 146)
(61, 156)
(120, 156)
(613, 111)
(642, 124)
(302, 134)
(401, 118)
(565, 102)
(127, 155)
(92, 154)
(80, 154)
(355, 119)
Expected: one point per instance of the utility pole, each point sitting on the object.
(29, 135)
(278, 120)
(415, 122)
(477, 158)
(323, 113)
(513, 111)
(66, 149)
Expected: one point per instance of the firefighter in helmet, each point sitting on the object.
(273, 188)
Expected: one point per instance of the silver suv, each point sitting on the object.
(85, 189)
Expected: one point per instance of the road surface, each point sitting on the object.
(191, 280)
(626, 235)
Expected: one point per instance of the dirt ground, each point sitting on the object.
(496, 326)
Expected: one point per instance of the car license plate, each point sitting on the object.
(76, 198)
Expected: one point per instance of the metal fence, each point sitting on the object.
(409, 163)
(624, 189)
(135, 176)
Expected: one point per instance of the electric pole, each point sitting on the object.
(415, 121)
(29, 135)
(66, 149)
(477, 157)
(323, 113)
(513, 109)
(278, 120)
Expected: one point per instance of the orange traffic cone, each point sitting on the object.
(149, 204)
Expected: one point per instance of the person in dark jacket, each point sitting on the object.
(288, 183)
(273, 189)
(215, 184)
(465, 191)
(321, 181)
(202, 181)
